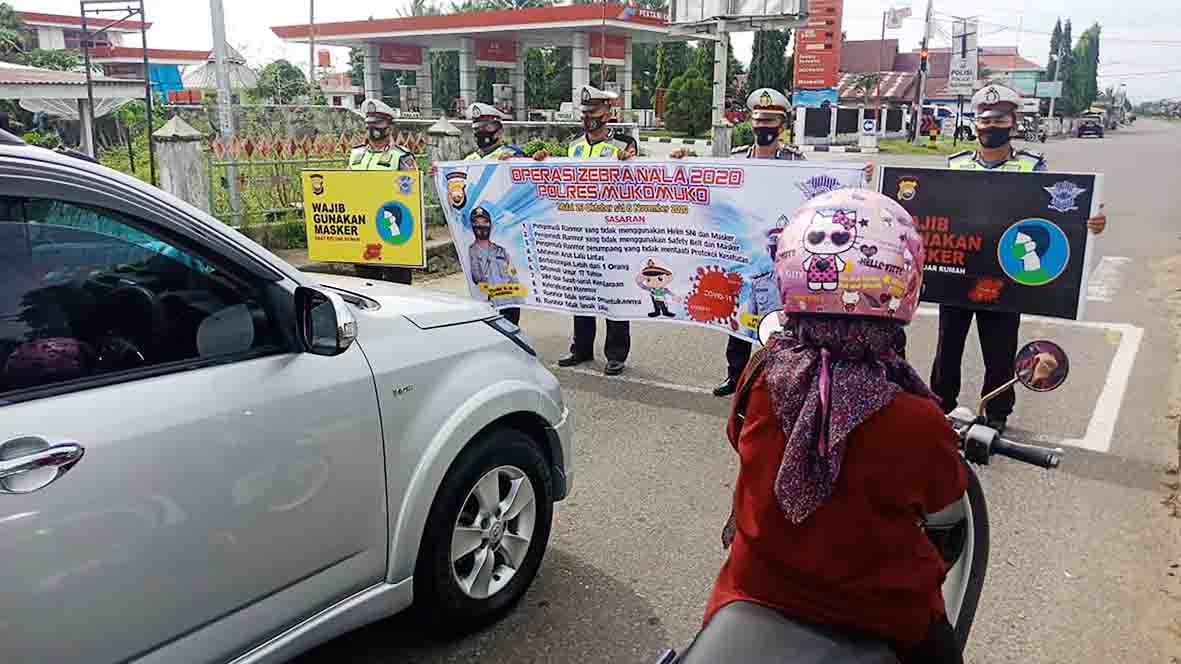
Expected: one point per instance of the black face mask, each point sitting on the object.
(591, 124)
(766, 135)
(994, 137)
(485, 139)
(378, 133)
(481, 231)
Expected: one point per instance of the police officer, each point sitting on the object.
(488, 126)
(490, 263)
(378, 153)
(768, 109)
(996, 116)
(596, 143)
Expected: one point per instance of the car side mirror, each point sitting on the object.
(326, 324)
(769, 325)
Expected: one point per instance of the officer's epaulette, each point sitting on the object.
(963, 153)
(1030, 153)
(362, 145)
(741, 148)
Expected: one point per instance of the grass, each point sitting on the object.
(942, 147)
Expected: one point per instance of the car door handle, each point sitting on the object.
(60, 457)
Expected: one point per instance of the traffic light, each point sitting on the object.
(923, 53)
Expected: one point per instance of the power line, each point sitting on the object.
(1140, 73)
(1152, 42)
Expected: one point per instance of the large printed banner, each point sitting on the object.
(364, 217)
(1001, 240)
(684, 241)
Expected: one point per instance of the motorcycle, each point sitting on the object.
(754, 634)
(1032, 131)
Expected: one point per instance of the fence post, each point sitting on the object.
(182, 167)
(446, 141)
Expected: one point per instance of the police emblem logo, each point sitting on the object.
(371, 107)
(405, 184)
(1063, 196)
(908, 188)
(992, 96)
(817, 185)
(765, 100)
(586, 95)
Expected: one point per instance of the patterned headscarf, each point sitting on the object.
(826, 375)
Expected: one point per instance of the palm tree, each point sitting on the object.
(420, 8)
(867, 83)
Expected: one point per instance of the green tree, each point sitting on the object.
(768, 63)
(281, 82)
(58, 60)
(867, 83)
(1055, 44)
(688, 104)
(12, 31)
(672, 60)
(1082, 85)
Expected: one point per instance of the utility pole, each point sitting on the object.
(225, 102)
(918, 115)
(311, 47)
(1057, 77)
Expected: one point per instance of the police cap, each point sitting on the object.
(376, 110)
(591, 98)
(768, 104)
(993, 101)
(479, 112)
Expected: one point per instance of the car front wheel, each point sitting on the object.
(486, 533)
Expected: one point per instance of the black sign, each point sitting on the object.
(1000, 240)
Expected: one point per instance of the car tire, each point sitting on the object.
(447, 605)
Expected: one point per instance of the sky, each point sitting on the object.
(1140, 46)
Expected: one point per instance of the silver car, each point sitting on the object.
(208, 456)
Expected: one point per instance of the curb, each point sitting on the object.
(676, 141)
(837, 149)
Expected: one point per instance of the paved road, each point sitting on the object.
(1080, 557)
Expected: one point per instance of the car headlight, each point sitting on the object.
(512, 331)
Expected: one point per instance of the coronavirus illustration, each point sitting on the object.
(714, 298)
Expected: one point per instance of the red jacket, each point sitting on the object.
(861, 561)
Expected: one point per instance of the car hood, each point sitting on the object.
(424, 307)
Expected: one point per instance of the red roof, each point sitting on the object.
(472, 20)
(1008, 63)
(137, 54)
(91, 21)
(868, 55)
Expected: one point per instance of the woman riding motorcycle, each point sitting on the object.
(843, 448)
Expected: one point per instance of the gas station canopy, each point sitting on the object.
(534, 27)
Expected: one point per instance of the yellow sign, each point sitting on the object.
(373, 217)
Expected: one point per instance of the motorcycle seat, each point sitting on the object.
(754, 634)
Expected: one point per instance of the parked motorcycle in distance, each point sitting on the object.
(754, 634)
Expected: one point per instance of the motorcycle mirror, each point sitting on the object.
(1042, 366)
(770, 324)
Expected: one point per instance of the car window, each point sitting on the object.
(86, 292)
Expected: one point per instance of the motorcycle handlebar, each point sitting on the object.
(1036, 456)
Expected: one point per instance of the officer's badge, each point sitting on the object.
(908, 188)
(992, 96)
(765, 100)
(586, 96)
(1063, 196)
(371, 107)
(405, 185)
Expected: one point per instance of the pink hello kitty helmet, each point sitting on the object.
(850, 252)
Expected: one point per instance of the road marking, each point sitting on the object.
(1105, 278)
(691, 389)
(1101, 426)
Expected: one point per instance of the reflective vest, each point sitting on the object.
(495, 154)
(583, 148)
(1019, 161)
(364, 159)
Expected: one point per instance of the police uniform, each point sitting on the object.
(618, 343)
(391, 158)
(489, 263)
(998, 330)
(479, 113)
(764, 288)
